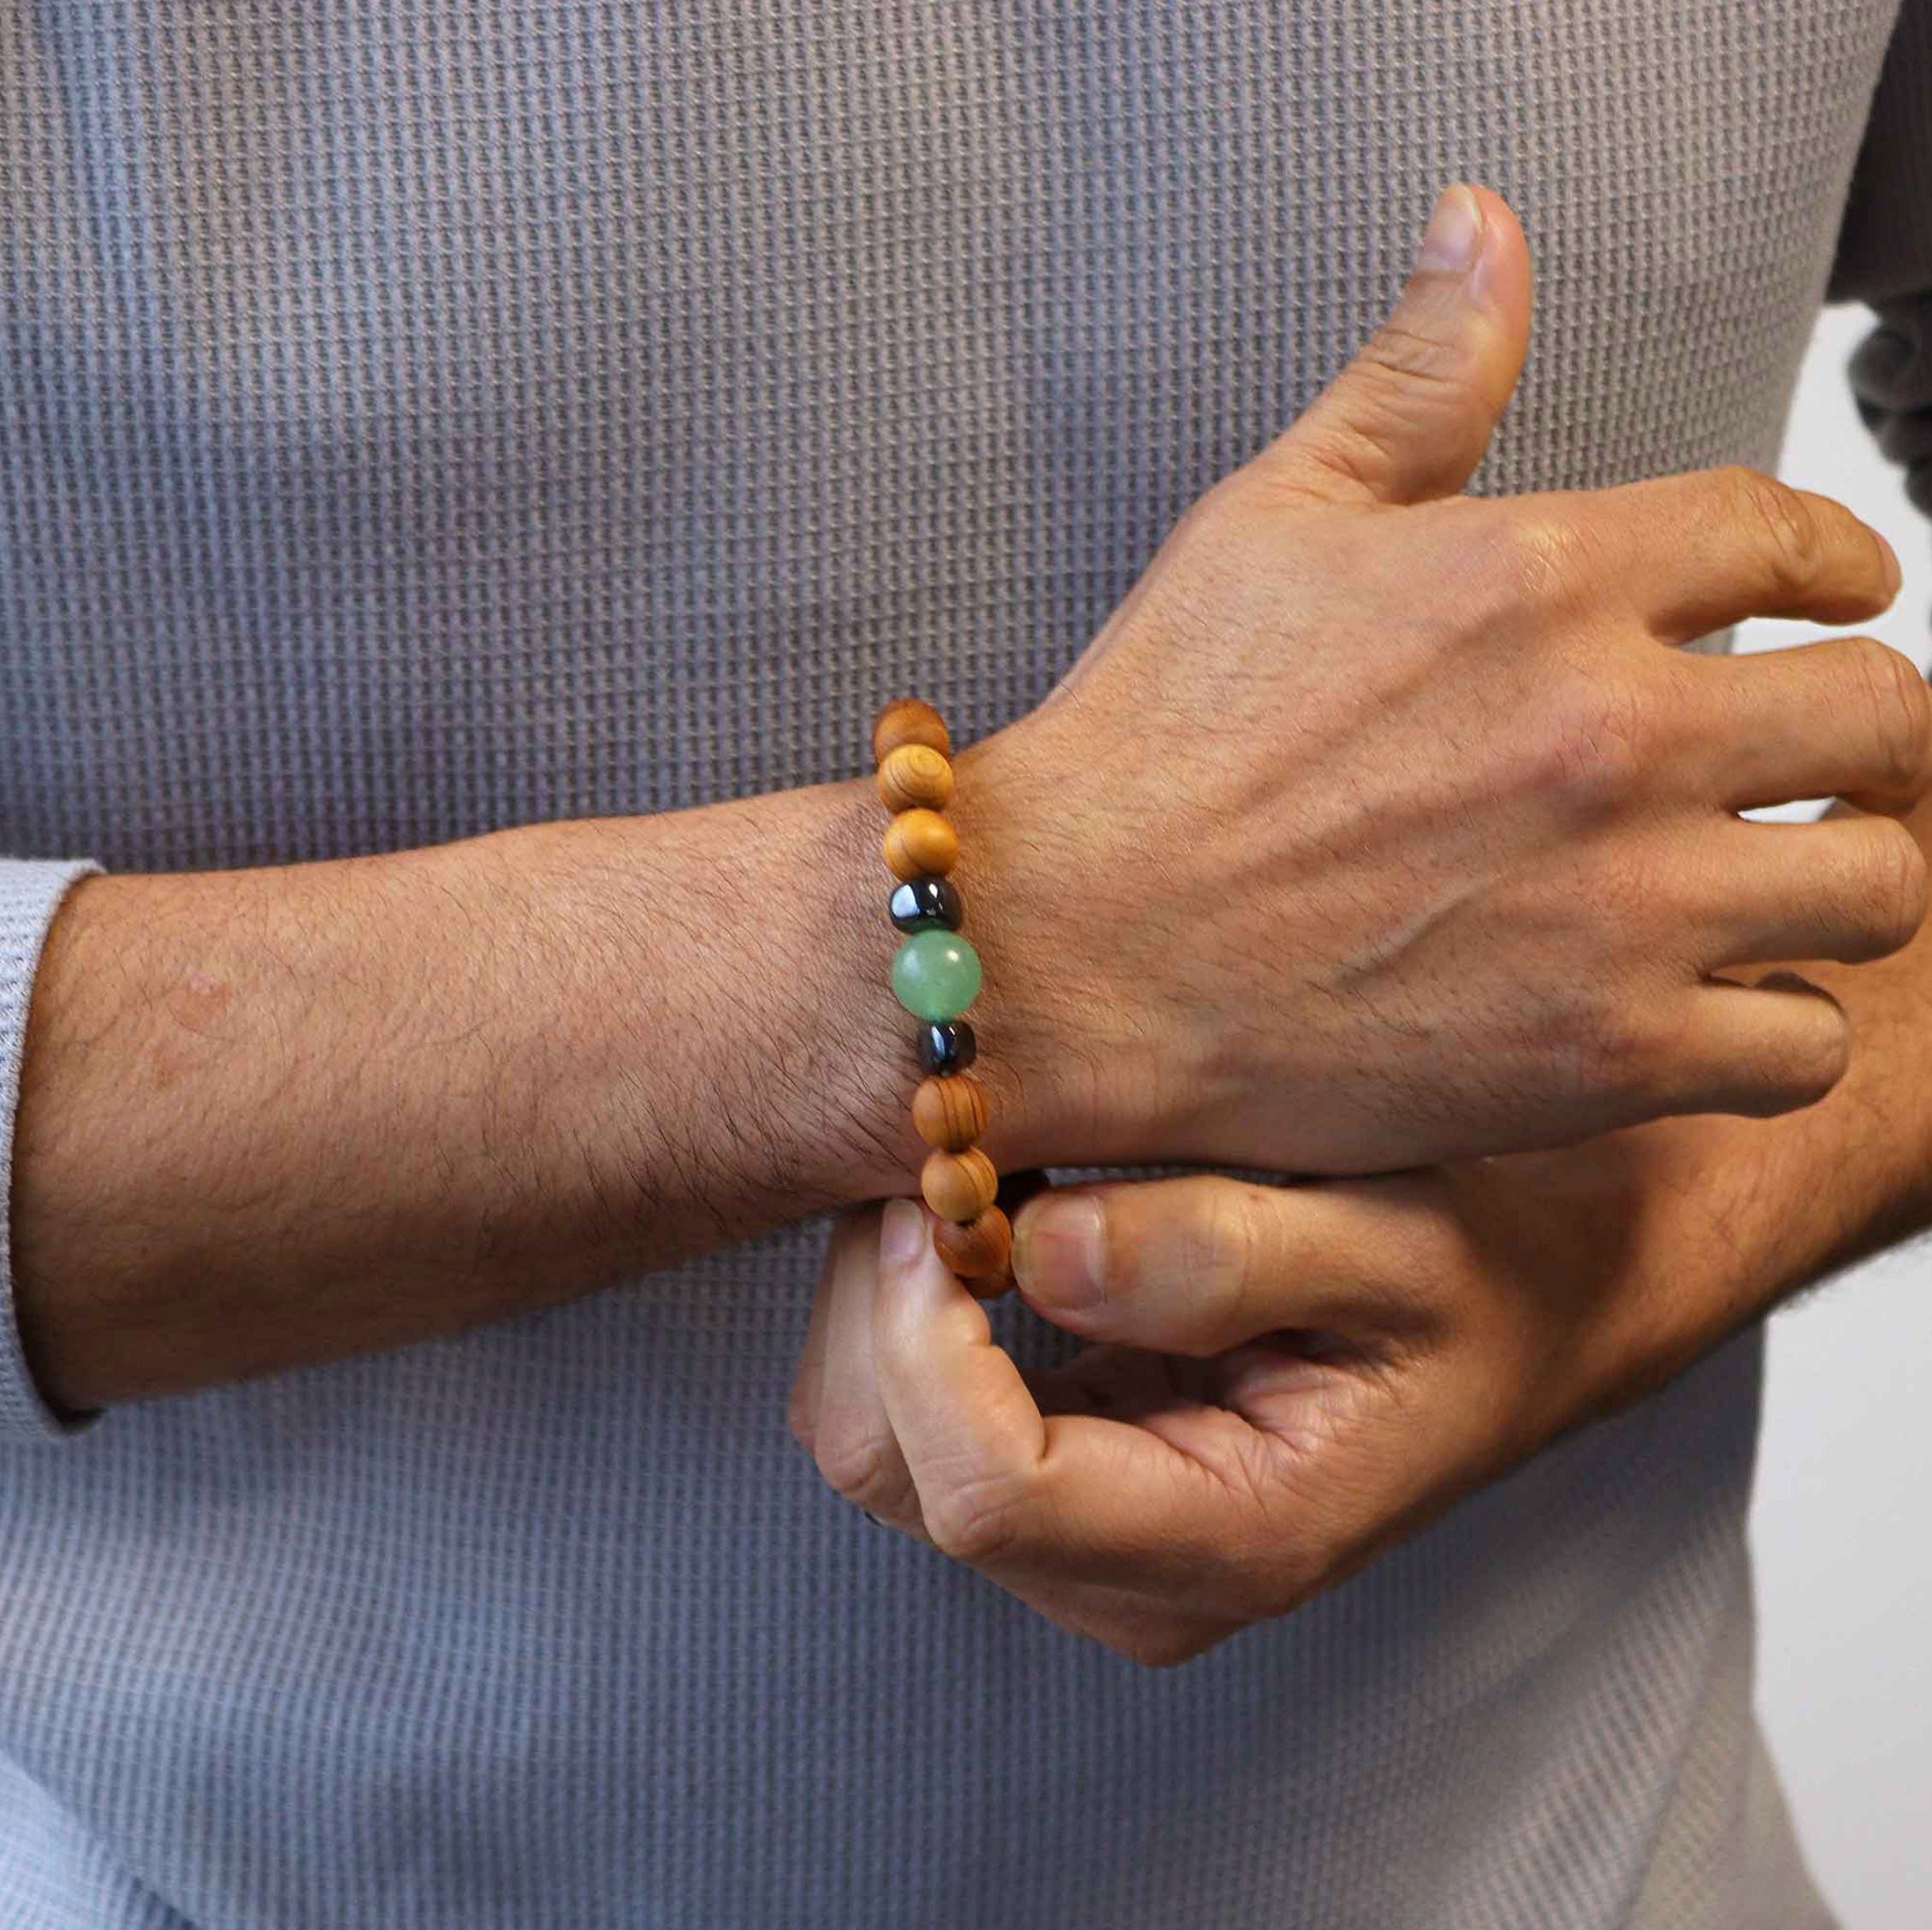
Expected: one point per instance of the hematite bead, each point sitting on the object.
(925, 904)
(936, 975)
(947, 1048)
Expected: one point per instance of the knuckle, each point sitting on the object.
(1349, 448)
(1589, 744)
(856, 1463)
(1617, 1053)
(1800, 1055)
(1821, 1065)
(976, 1522)
(1535, 554)
(1808, 1068)
(1894, 885)
(1901, 711)
(1219, 1243)
(1400, 375)
(1793, 540)
(1396, 360)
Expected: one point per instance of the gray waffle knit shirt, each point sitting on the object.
(418, 419)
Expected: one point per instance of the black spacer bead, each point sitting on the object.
(947, 1048)
(923, 903)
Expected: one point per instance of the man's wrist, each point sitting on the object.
(718, 1052)
(778, 971)
(1069, 1068)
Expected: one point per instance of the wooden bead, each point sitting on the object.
(914, 774)
(980, 1248)
(958, 1186)
(921, 843)
(949, 1113)
(905, 721)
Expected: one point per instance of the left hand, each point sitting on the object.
(1286, 1380)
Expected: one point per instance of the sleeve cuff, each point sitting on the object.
(30, 891)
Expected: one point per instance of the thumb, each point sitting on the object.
(1409, 418)
(1194, 1265)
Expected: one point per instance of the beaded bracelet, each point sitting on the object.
(936, 976)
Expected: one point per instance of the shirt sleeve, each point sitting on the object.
(1884, 255)
(31, 891)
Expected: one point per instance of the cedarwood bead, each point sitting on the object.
(958, 1186)
(921, 843)
(914, 774)
(906, 720)
(949, 1113)
(981, 1248)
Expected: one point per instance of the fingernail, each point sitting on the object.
(901, 1233)
(1453, 236)
(1060, 1253)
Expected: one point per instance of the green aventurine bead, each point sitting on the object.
(936, 974)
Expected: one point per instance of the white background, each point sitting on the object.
(1842, 1524)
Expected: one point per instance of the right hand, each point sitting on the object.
(1380, 825)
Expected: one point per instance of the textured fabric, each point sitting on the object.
(417, 419)
(29, 894)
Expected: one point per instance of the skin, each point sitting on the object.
(1283, 1382)
(1460, 873)
(275, 1117)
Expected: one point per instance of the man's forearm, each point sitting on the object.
(280, 1116)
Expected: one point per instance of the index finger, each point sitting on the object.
(804, 1402)
(1702, 551)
